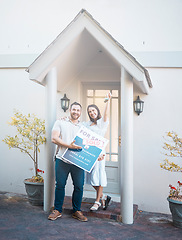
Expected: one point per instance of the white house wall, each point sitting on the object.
(162, 113)
(138, 25)
(17, 92)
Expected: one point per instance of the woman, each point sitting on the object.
(97, 178)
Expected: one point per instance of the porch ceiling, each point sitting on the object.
(87, 60)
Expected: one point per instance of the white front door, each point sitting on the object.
(95, 93)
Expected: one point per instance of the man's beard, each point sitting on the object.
(75, 116)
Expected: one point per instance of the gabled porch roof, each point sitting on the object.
(80, 48)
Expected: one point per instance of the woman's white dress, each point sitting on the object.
(97, 177)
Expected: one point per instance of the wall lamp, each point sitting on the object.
(138, 105)
(65, 102)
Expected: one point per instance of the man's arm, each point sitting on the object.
(58, 141)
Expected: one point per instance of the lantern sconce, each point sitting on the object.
(65, 103)
(138, 105)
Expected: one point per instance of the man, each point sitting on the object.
(63, 133)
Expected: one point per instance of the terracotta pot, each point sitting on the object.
(176, 210)
(35, 192)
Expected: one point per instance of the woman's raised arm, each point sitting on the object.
(107, 101)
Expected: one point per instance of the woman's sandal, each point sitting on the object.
(106, 200)
(96, 206)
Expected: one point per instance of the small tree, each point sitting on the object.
(173, 148)
(31, 134)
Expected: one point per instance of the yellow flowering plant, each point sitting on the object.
(173, 148)
(30, 135)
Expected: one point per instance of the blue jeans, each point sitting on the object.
(62, 171)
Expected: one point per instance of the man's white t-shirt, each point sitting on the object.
(68, 131)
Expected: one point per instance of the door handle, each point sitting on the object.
(119, 141)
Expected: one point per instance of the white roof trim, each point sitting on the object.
(46, 60)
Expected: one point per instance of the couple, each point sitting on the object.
(63, 133)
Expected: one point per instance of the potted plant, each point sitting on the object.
(30, 135)
(173, 148)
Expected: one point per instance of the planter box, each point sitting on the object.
(35, 192)
(176, 210)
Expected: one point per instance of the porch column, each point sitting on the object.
(49, 181)
(126, 166)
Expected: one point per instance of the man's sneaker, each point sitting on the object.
(54, 215)
(79, 215)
